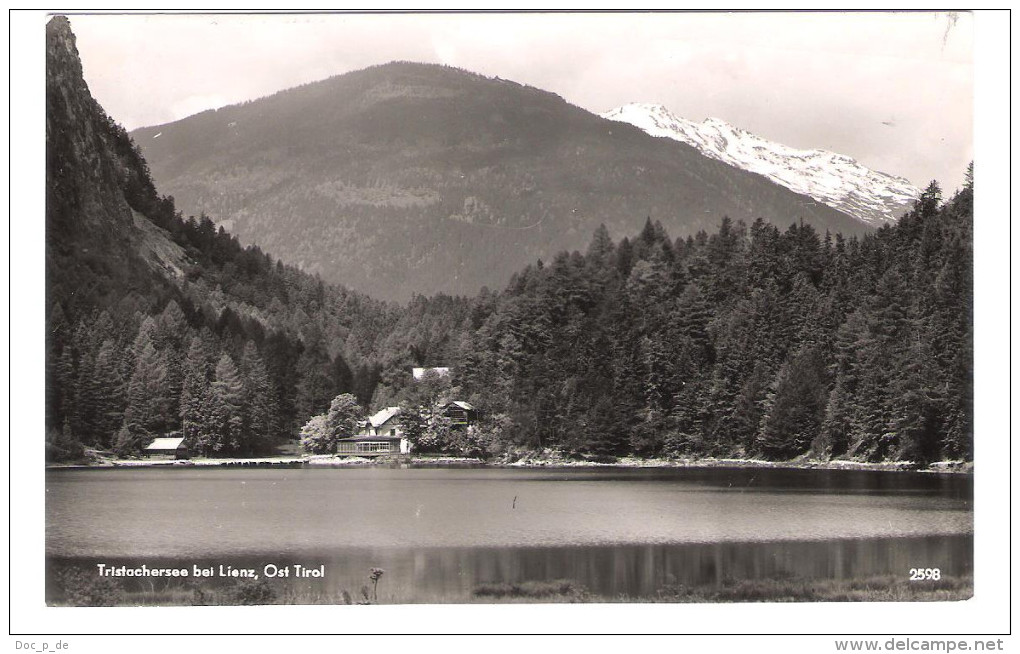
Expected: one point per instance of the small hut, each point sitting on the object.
(167, 448)
(461, 414)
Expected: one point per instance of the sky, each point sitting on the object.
(893, 90)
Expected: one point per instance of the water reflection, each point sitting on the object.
(451, 574)
(439, 533)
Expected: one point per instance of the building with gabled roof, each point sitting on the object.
(385, 422)
(379, 435)
(167, 447)
(364, 445)
(460, 413)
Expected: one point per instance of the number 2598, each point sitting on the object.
(925, 574)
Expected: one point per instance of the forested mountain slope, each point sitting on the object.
(155, 322)
(412, 178)
(750, 341)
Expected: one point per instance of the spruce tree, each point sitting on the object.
(64, 381)
(600, 250)
(260, 409)
(222, 428)
(81, 417)
(797, 408)
(837, 426)
(316, 386)
(149, 398)
(110, 394)
(193, 390)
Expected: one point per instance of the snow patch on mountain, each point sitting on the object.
(837, 180)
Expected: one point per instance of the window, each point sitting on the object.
(363, 447)
(373, 446)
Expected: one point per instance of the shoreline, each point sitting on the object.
(525, 462)
(875, 588)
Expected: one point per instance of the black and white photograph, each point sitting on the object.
(474, 308)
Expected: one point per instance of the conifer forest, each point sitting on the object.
(751, 341)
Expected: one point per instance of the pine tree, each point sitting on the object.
(109, 399)
(747, 410)
(798, 407)
(64, 381)
(928, 204)
(149, 398)
(222, 427)
(260, 409)
(600, 250)
(171, 327)
(194, 386)
(57, 343)
(837, 426)
(126, 444)
(316, 386)
(81, 417)
(624, 257)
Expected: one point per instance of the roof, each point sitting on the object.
(383, 416)
(363, 437)
(165, 444)
(418, 373)
(463, 405)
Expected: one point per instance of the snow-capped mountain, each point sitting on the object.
(834, 179)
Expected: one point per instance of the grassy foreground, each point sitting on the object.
(873, 589)
(86, 590)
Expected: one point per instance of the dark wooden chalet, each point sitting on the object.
(460, 414)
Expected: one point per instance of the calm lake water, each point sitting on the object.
(440, 532)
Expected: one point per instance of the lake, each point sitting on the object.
(440, 532)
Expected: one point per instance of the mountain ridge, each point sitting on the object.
(393, 179)
(874, 197)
